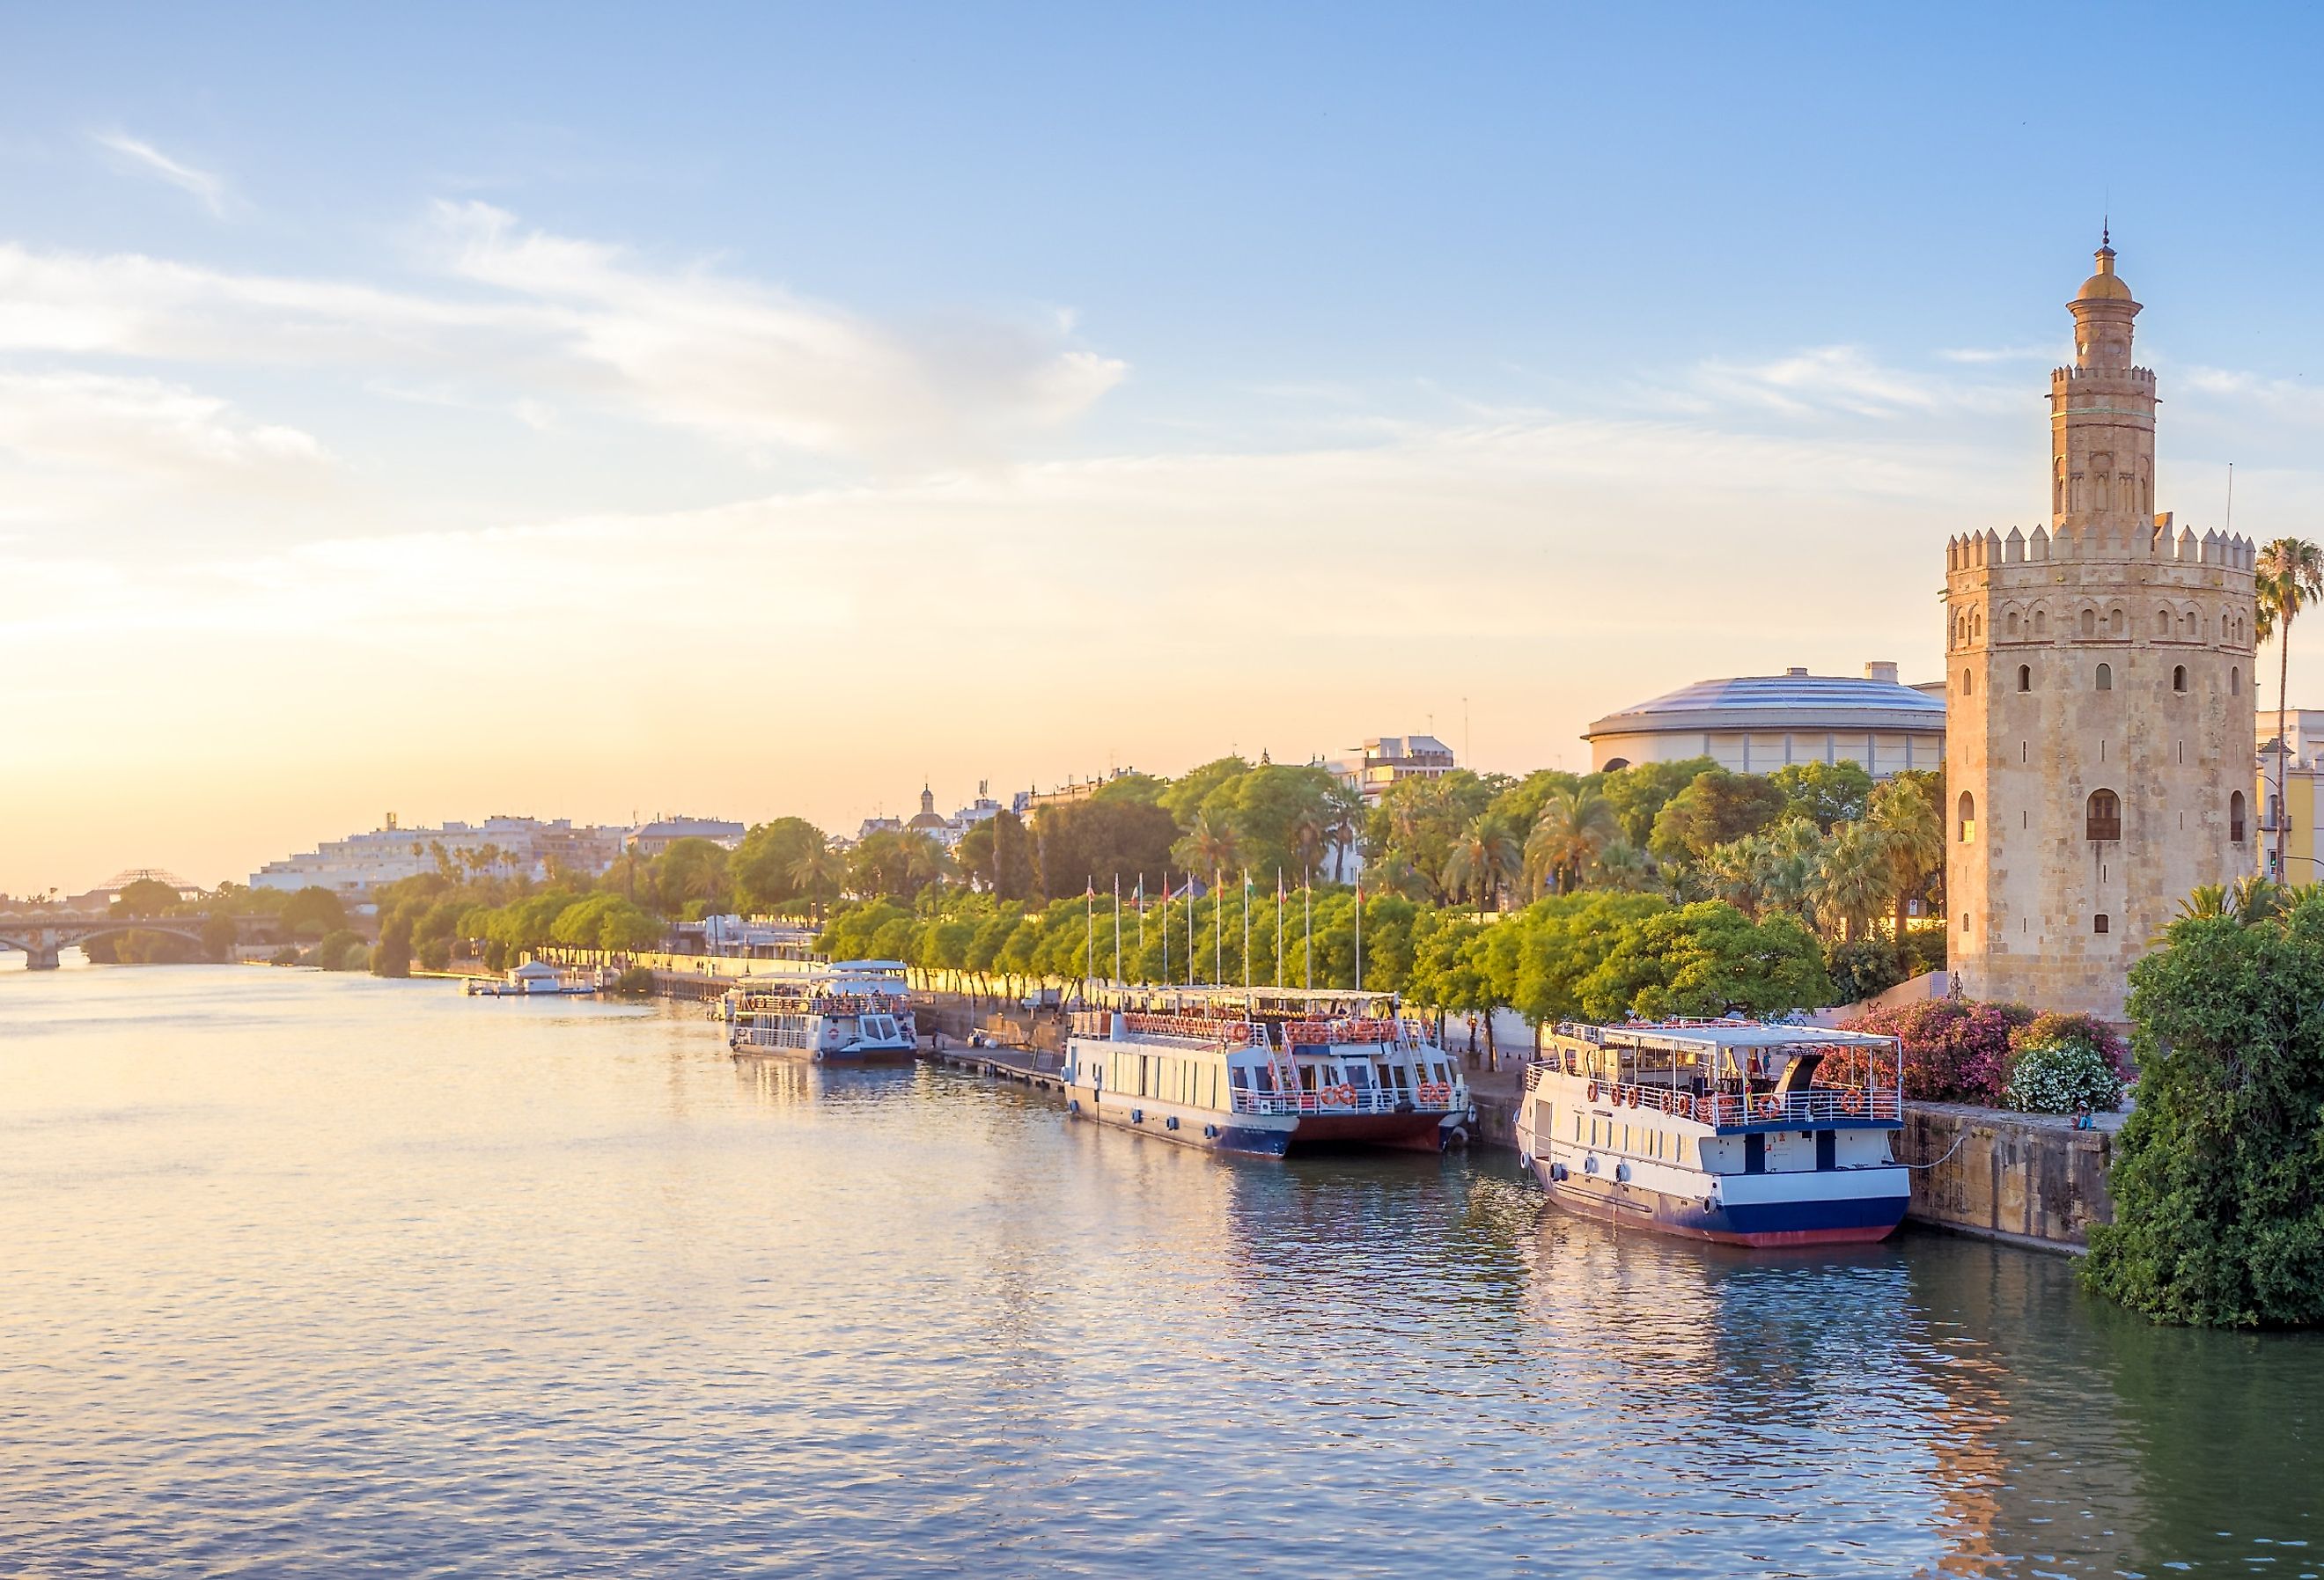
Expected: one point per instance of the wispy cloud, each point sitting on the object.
(142, 155)
(1834, 379)
(525, 316)
(144, 427)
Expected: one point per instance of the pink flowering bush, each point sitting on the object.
(1955, 1051)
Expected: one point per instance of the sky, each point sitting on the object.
(599, 412)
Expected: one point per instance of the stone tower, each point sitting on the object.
(2099, 701)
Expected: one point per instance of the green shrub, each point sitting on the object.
(2218, 1174)
(636, 982)
(288, 955)
(343, 950)
(1868, 967)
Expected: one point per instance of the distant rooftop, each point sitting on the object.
(1790, 700)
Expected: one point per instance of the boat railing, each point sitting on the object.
(1817, 1104)
(1429, 1098)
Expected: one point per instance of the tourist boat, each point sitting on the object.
(1264, 1071)
(1721, 1130)
(533, 979)
(858, 1013)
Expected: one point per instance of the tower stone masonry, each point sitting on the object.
(2099, 701)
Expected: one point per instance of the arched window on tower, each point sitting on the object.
(2041, 621)
(2178, 677)
(2235, 681)
(2058, 487)
(2162, 622)
(2106, 678)
(2102, 818)
(1975, 625)
(2013, 623)
(1968, 687)
(1968, 831)
(2114, 624)
(2236, 817)
(2026, 676)
(2089, 623)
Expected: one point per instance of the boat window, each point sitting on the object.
(1239, 1078)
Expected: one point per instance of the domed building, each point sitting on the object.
(927, 820)
(1758, 724)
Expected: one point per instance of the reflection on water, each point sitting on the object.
(313, 1275)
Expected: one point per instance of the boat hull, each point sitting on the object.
(1847, 1220)
(1272, 1135)
(839, 1058)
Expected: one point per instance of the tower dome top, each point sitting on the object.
(2105, 285)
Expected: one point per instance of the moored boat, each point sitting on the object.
(534, 979)
(1264, 1071)
(1721, 1130)
(858, 1013)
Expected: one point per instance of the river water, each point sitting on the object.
(319, 1275)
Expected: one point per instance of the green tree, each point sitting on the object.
(1903, 814)
(313, 912)
(1486, 859)
(2291, 576)
(2218, 1174)
(1715, 807)
(219, 935)
(690, 878)
(765, 865)
(1574, 823)
(1827, 794)
(816, 874)
(145, 897)
(1184, 795)
(1707, 958)
(1098, 840)
(1855, 881)
(1639, 792)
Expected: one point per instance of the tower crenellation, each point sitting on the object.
(2100, 699)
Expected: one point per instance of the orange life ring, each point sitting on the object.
(1593, 1091)
(1345, 1092)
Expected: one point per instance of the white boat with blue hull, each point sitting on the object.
(1264, 1071)
(1726, 1130)
(858, 1013)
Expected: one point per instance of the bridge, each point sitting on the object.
(43, 934)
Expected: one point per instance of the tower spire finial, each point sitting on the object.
(2105, 230)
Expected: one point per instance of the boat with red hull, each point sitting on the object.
(1725, 1130)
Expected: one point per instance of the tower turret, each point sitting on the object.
(2098, 700)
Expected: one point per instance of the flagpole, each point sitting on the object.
(1359, 935)
(1117, 929)
(1219, 926)
(1278, 930)
(1307, 935)
(1141, 926)
(1089, 930)
(1190, 930)
(1246, 935)
(1166, 927)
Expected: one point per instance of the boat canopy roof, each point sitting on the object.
(869, 967)
(1292, 1001)
(1708, 1036)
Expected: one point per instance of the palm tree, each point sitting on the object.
(1210, 846)
(1913, 835)
(926, 862)
(1311, 830)
(1575, 824)
(1855, 880)
(819, 871)
(1342, 813)
(1791, 867)
(2291, 576)
(1624, 866)
(1486, 857)
(1735, 871)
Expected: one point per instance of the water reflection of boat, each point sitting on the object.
(858, 1012)
(1720, 1130)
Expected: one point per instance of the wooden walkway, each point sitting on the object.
(1000, 1064)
